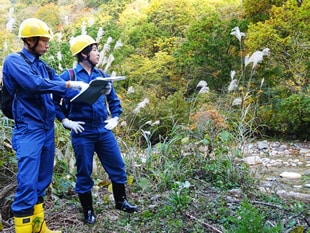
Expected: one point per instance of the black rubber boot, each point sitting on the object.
(86, 200)
(121, 202)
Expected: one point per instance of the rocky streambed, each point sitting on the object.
(282, 167)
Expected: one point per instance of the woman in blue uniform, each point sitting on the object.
(96, 134)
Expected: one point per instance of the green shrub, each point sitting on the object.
(288, 117)
(249, 219)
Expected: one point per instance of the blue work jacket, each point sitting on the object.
(33, 104)
(94, 114)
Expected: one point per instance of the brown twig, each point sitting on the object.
(214, 229)
(6, 190)
(267, 204)
(257, 203)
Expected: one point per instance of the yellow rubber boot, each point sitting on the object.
(23, 224)
(39, 224)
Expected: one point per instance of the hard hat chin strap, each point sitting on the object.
(36, 39)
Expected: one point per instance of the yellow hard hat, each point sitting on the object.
(33, 27)
(80, 42)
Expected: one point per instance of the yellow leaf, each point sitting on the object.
(110, 188)
(129, 180)
(104, 183)
(106, 198)
(298, 229)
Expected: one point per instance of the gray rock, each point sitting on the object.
(290, 175)
(262, 145)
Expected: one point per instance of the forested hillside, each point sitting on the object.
(203, 78)
(166, 48)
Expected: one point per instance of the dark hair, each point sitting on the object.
(86, 51)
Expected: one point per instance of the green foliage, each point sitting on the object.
(225, 172)
(8, 161)
(51, 56)
(179, 196)
(288, 116)
(171, 46)
(166, 111)
(248, 219)
(257, 11)
(171, 17)
(144, 38)
(286, 35)
(93, 3)
(63, 187)
(203, 55)
(50, 14)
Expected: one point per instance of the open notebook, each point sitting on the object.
(93, 92)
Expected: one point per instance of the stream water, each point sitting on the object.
(270, 160)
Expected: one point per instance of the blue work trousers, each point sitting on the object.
(104, 143)
(35, 156)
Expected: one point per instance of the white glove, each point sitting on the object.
(111, 123)
(76, 126)
(107, 89)
(77, 85)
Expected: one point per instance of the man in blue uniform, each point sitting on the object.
(33, 83)
(96, 134)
